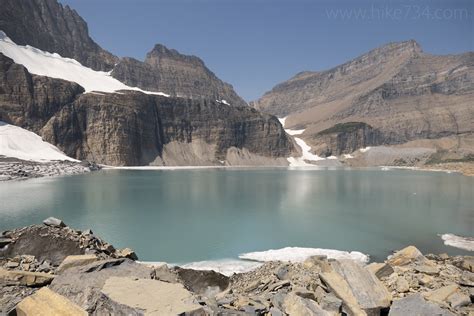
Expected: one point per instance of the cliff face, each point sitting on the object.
(400, 92)
(139, 129)
(133, 128)
(47, 25)
(28, 100)
(176, 74)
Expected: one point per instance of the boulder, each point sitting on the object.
(380, 269)
(76, 261)
(458, 299)
(127, 253)
(47, 302)
(371, 295)
(337, 284)
(4, 241)
(296, 305)
(358, 288)
(207, 283)
(83, 285)
(151, 296)
(25, 278)
(441, 295)
(53, 221)
(467, 263)
(405, 256)
(416, 305)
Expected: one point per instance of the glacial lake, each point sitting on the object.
(183, 216)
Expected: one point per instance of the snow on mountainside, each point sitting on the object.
(16, 142)
(42, 63)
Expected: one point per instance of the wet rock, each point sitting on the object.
(16, 277)
(76, 261)
(47, 302)
(53, 221)
(150, 296)
(416, 305)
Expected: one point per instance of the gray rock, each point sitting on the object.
(331, 303)
(53, 221)
(459, 299)
(371, 295)
(50, 26)
(296, 305)
(380, 269)
(83, 285)
(207, 283)
(4, 241)
(416, 305)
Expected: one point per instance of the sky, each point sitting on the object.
(256, 44)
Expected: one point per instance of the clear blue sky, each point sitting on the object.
(255, 44)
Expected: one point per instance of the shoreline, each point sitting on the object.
(36, 277)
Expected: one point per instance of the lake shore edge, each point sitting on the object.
(50, 267)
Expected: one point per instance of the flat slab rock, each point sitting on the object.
(416, 305)
(47, 302)
(152, 297)
(370, 294)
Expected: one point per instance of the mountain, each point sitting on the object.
(176, 74)
(59, 91)
(395, 94)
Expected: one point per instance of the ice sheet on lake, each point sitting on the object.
(466, 243)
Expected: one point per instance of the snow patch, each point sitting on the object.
(52, 65)
(17, 142)
(348, 156)
(224, 266)
(305, 149)
(466, 243)
(363, 150)
(299, 254)
(223, 102)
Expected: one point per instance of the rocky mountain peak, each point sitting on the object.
(52, 27)
(160, 52)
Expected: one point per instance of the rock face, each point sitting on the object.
(168, 71)
(134, 128)
(28, 100)
(143, 129)
(50, 26)
(390, 95)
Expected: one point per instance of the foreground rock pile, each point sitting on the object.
(14, 169)
(55, 269)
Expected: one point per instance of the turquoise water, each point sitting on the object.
(205, 214)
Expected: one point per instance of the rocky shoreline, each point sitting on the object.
(16, 169)
(54, 269)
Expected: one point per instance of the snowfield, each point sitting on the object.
(305, 149)
(16, 142)
(42, 63)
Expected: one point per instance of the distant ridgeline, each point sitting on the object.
(392, 95)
